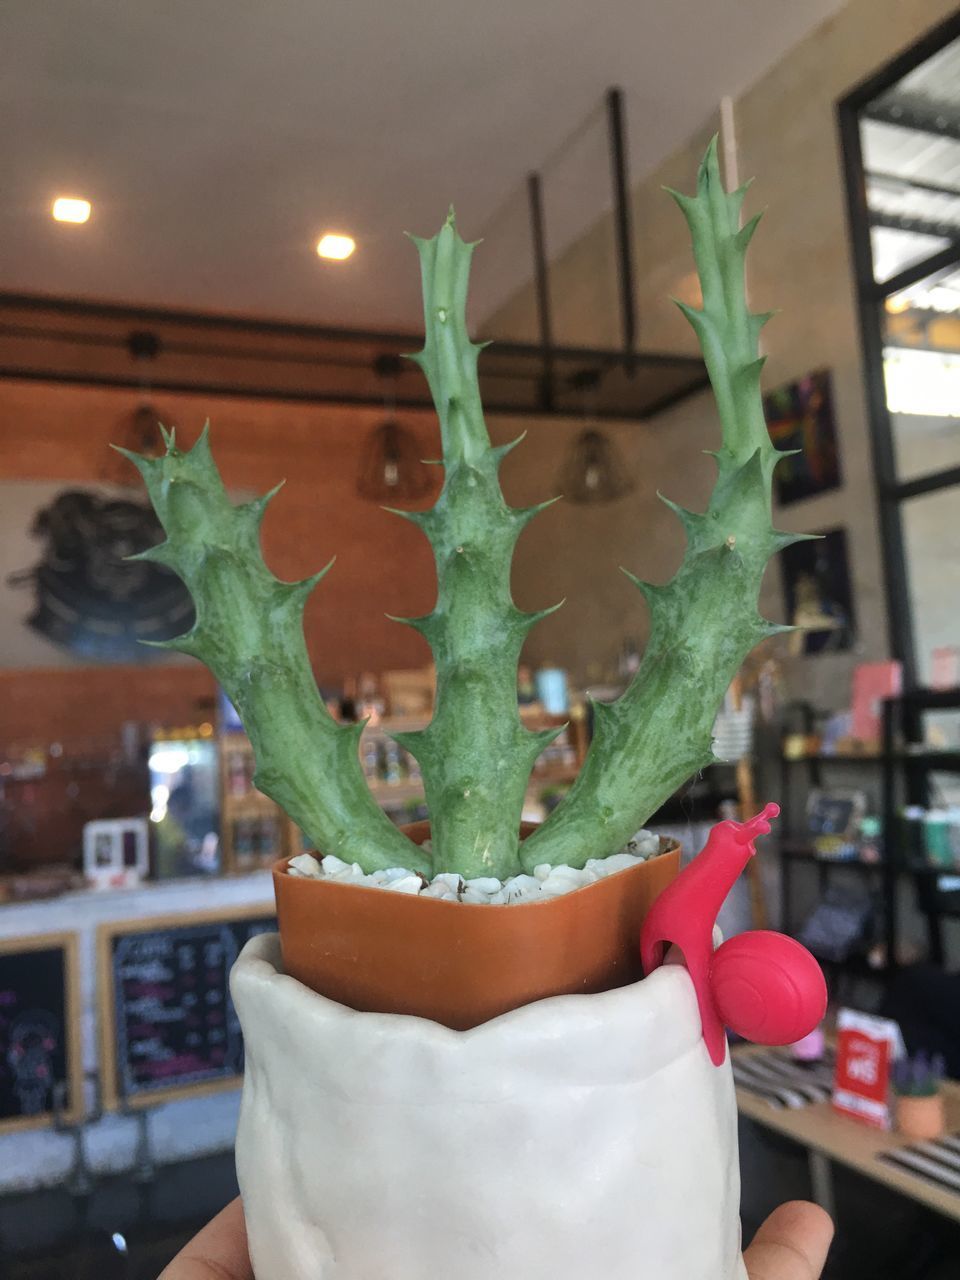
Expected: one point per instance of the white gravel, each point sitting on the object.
(546, 881)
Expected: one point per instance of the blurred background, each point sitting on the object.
(202, 218)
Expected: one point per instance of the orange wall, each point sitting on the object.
(383, 563)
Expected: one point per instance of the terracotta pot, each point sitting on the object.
(921, 1118)
(459, 963)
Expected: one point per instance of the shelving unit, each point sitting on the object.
(401, 797)
(903, 723)
(905, 765)
(254, 831)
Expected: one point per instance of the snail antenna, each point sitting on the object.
(759, 825)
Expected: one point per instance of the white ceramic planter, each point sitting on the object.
(579, 1138)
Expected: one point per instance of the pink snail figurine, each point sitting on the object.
(763, 985)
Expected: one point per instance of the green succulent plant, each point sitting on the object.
(476, 756)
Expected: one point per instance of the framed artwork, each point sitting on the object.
(817, 592)
(68, 591)
(800, 417)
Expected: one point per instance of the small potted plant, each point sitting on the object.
(919, 1109)
(454, 1068)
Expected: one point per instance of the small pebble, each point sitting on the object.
(440, 890)
(406, 884)
(451, 879)
(388, 877)
(561, 879)
(305, 864)
(521, 888)
(616, 862)
(485, 884)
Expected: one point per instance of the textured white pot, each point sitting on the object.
(579, 1138)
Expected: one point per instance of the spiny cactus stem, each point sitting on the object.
(249, 632)
(704, 621)
(476, 756)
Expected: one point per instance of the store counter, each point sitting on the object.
(177, 1129)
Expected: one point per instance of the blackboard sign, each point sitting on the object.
(39, 1030)
(169, 1028)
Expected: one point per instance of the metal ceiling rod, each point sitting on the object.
(912, 183)
(939, 229)
(915, 114)
(616, 119)
(542, 284)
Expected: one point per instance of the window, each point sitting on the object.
(900, 133)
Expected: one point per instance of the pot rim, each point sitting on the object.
(280, 868)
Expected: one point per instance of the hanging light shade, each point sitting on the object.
(391, 467)
(594, 470)
(140, 434)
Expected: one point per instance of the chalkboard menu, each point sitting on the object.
(39, 1030)
(169, 1027)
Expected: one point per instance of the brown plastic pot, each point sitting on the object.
(461, 963)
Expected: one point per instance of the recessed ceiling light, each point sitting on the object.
(70, 209)
(335, 246)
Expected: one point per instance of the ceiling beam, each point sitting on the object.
(155, 350)
(922, 226)
(917, 114)
(912, 184)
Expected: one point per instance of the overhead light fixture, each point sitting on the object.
(140, 429)
(593, 470)
(335, 246)
(391, 465)
(71, 209)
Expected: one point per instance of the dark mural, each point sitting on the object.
(86, 598)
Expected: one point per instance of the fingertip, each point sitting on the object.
(792, 1244)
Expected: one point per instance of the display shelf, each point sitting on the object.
(905, 762)
(242, 804)
(822, 757)
(388, 794)
(802, 852)
(948, 761)
(254, 832)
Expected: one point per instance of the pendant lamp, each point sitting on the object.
(594, 471)
(391, 464)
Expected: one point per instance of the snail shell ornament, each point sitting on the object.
(763, 985)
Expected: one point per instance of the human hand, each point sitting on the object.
(218, 1252)
(791, 1245)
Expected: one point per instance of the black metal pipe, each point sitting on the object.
(899, 621)
(542, 283)
(919, 117)
(914, 184)
(932, 482)
(947, 257)
(616, 119)
(492, 407)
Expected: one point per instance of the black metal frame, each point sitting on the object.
(891, 491)
(620, 189)
(537, 366)
(617, 126)
(175, 332)
(541, 280)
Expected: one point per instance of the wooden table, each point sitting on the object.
(829, 1137)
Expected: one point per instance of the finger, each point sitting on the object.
(791, 1245)
(218, 1252)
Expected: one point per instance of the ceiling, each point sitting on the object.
(911, 147)
(218, 139)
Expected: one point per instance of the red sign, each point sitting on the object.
(866, 1047)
